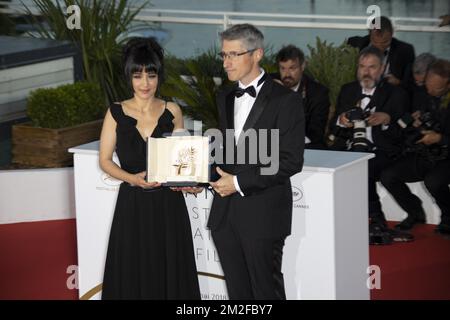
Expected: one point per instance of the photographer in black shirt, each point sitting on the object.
(426, 156)
(365, 110)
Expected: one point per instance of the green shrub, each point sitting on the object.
(100, 39)
(197, 92)
(65, 106)
(269, 60)
(332, 66)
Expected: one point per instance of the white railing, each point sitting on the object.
(276, 20)
(285, 20)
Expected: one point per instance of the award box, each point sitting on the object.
(178, 161)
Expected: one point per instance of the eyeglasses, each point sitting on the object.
(233, 54)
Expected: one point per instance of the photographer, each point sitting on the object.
(416, 87)
(428, 160)
(381, 104)
(398, 56)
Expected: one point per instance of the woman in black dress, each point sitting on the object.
(150, 252)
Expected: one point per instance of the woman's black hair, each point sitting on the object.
(140, 54)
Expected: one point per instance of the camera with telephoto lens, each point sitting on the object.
(359, 141)
(354, 139)
(357, 114)
(413, 134)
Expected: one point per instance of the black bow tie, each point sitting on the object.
(239, 92)
(366, 96)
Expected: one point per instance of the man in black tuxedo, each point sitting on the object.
(251, 212)
(427, 159)
(316, 102)
(383, 104)
(398, 55)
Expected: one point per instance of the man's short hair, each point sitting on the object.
(251, 37)
(290, 52)
(385, 25)
(371, 51)
(441, 68)
(423, 62)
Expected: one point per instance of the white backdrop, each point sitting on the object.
(314, 256)
(36, 195)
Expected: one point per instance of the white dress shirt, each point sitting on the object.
(297, 86)
(364, 103)
(242, 107)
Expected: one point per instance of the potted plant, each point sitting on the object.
(61, 118)
(193, 83)
(105, 26)
(332, 66)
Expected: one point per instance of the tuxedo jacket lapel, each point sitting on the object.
(379, 98)
(229, 108)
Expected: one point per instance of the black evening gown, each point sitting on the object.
(150, 251)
